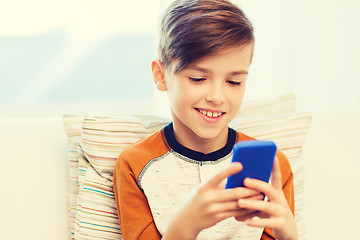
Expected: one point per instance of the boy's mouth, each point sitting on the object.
(211, 114)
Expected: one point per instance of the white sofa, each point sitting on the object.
(34, 177)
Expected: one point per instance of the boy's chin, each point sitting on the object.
(209, 134)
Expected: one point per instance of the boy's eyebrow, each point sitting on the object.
(239, 73)
(204, 70)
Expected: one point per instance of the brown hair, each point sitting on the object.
(192, 29)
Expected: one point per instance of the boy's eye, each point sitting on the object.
(196, 79)
(235, 83)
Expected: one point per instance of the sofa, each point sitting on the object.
(37, 180)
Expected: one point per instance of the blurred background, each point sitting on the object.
(65, 56)
(56, 55)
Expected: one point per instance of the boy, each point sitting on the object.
(171, 184)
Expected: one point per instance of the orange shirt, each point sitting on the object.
(152, 178)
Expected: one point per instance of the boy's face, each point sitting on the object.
(207, 95)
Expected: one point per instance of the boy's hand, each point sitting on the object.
(209, 204)
(275, 213)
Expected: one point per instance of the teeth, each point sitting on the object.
(211, 114)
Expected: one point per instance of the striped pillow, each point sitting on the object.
(96, 216)
(94, 145)
(95, 142)
(284, 105)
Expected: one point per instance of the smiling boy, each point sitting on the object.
(171, 184)
(205, 96)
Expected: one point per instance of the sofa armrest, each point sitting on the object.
(34, 179)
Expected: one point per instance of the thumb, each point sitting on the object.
(221, 176)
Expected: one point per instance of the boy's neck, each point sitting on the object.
(191, 140)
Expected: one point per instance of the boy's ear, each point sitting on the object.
(158, 71)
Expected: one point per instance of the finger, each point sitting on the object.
(234, 214)
(231, 206)
(276, 175)
(264, 187)
(250, 215)
(225, 207)
(266, 207)
(221, 176)
(272, 223)
(222, 185)
(234, 194)
(256, 197)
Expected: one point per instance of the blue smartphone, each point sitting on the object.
(257, 158)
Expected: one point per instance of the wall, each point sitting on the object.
(308, 47)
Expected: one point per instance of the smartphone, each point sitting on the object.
(257, 158)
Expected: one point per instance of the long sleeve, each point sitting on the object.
(134, 213)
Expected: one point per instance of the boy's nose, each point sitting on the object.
(215, 95)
